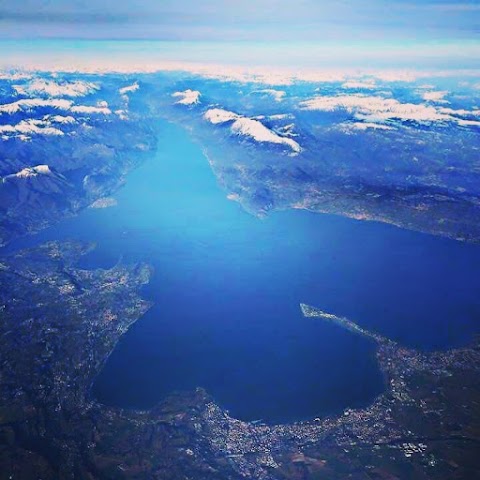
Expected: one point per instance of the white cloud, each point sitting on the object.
(129, 89)
(260, 75)
(375, 109)
(54, 89)
(187, 97)
(249, 128)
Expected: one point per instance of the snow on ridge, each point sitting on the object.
(259, 132)
(60, 119)
(129, 88)
(38, 86)
(364, 126)
(281, 116)
(14, 76)
(219, 115)
(33, 171)
(368, 84)
(249, 127)
(468, 123)
(31, 103)
(29, 127)
(435, 96)
(288, 130)
(452, 111)
(101, 108)
(375, 109)
(187, 97)
(28, 104)
(277, 95)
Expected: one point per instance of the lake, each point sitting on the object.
(227, 288)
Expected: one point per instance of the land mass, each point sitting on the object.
(60, 323)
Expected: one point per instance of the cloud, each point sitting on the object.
(54, 89)
(187, 97)
(250, 128)
(374, 109)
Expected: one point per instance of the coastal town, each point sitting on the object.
(424, 424)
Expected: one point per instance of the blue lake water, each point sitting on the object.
(227, 288)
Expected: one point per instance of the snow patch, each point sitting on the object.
(374, 109)
(249, 127)
(435, 96)
(187, 97)
(364, 126)
(101, 108)
(360, 84)
(29, 127)
(219, 115)
(30, 104)
(59, 119)
(277, 95)
(129, 89)
(54, 89)
(34, 171)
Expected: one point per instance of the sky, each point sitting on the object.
(439, 28)
(227, 20)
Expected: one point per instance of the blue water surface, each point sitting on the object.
(227, 288)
